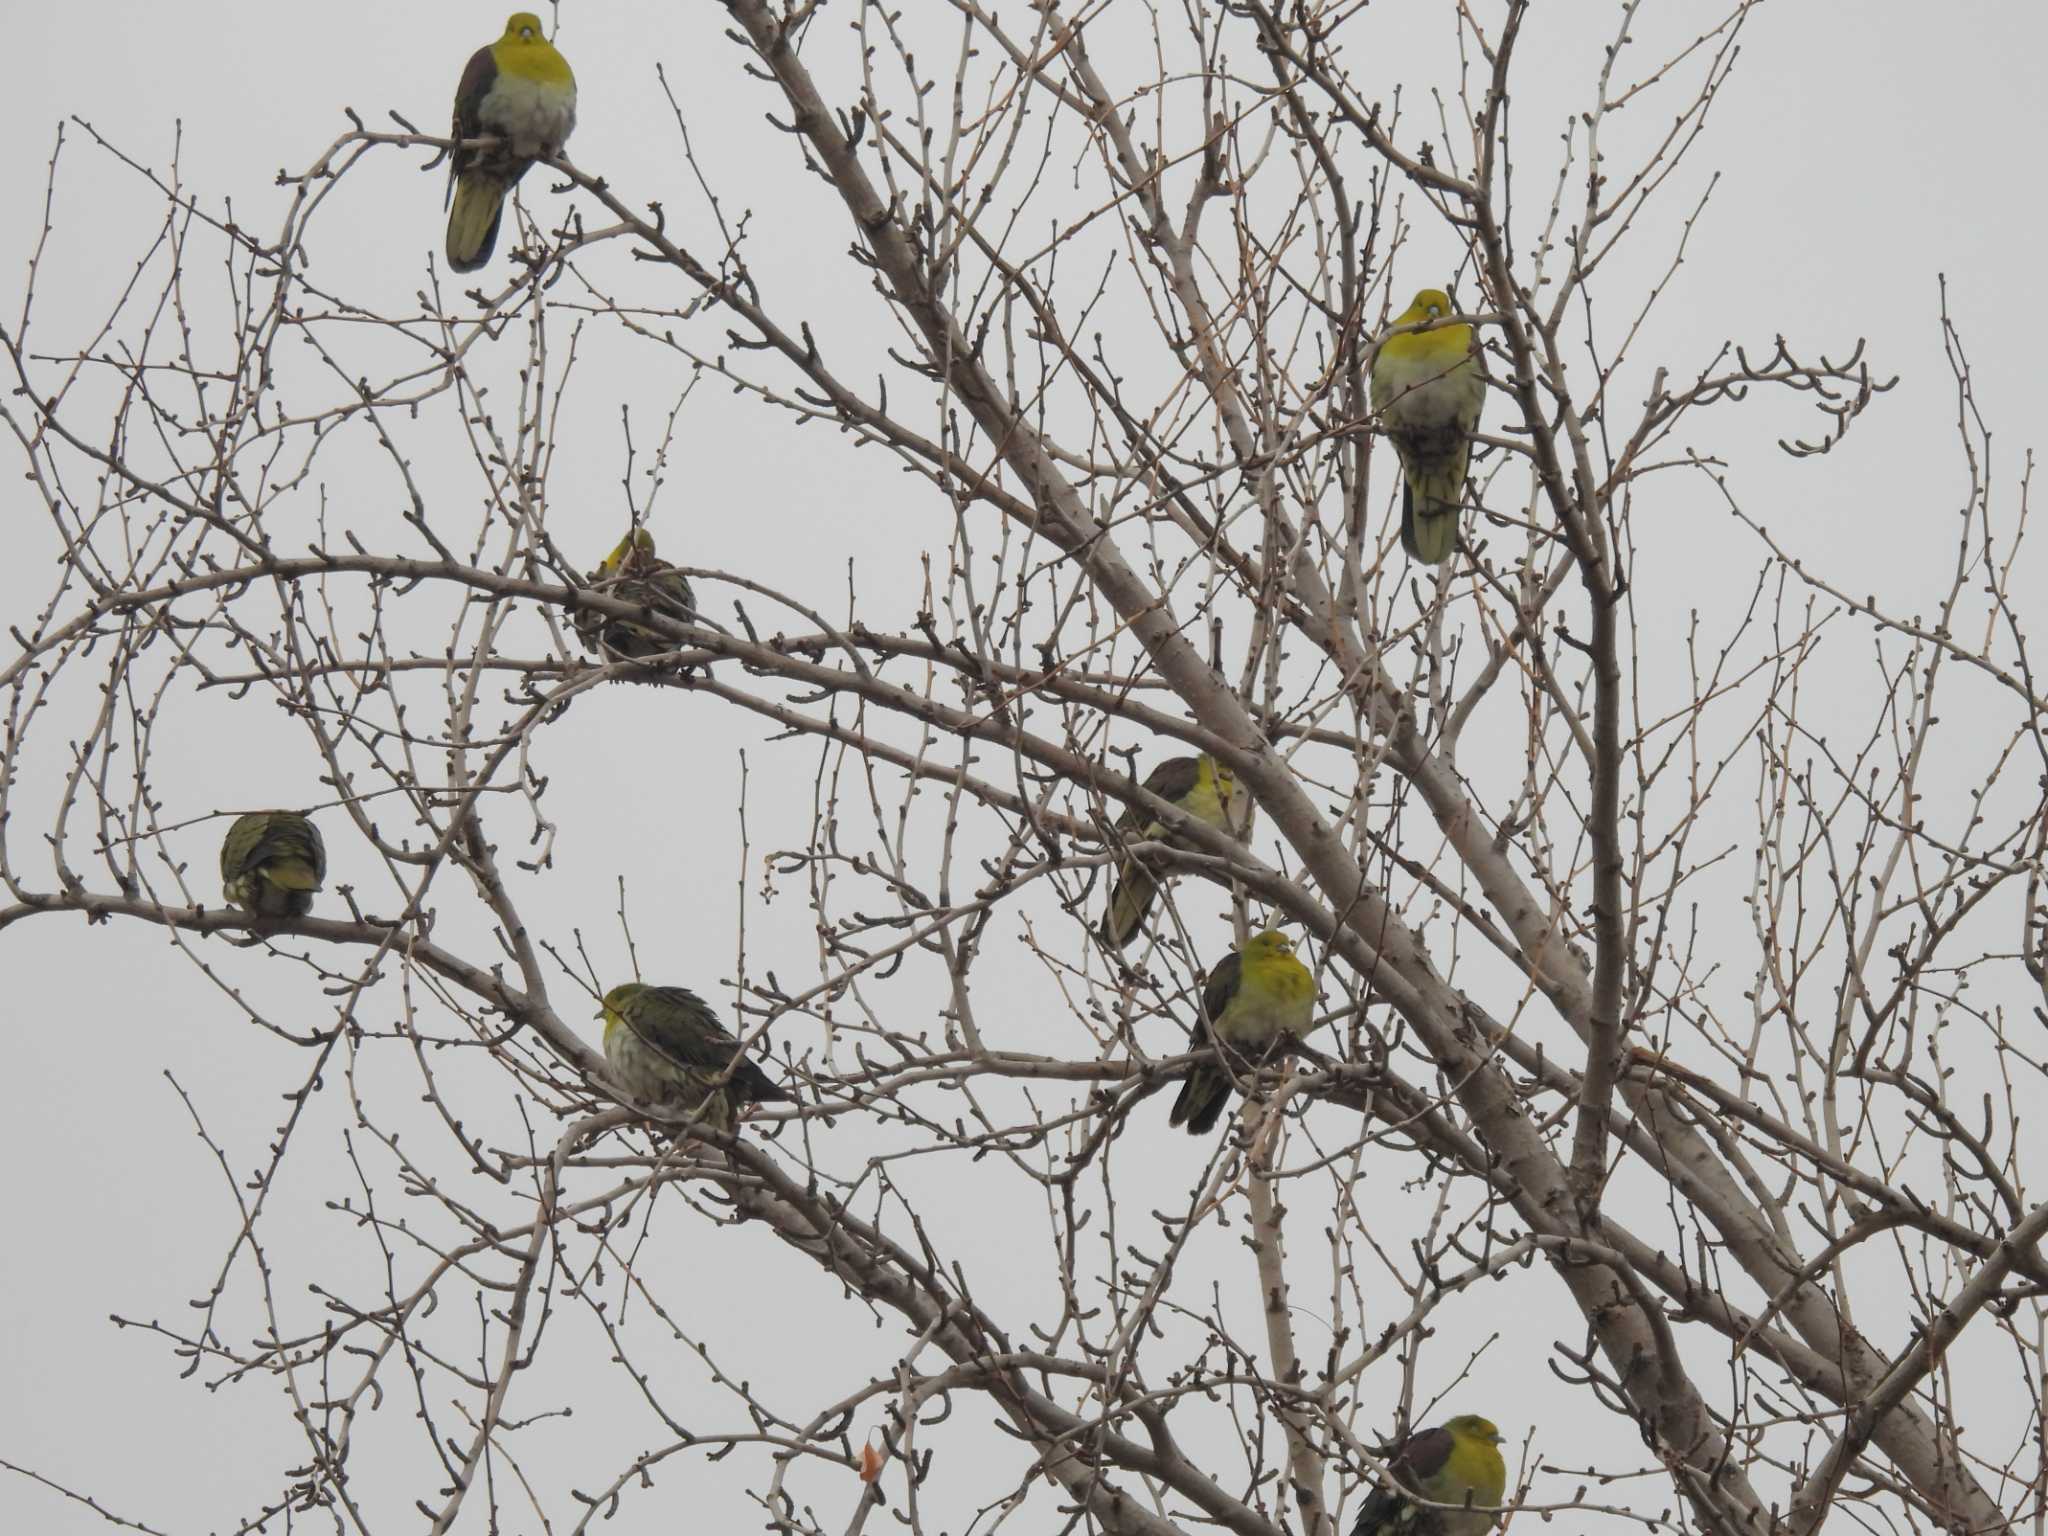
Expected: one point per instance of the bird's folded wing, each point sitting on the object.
(1172, 781)
(681, 1028)
(1422, 1456)
(1222, 987)
(477, 79)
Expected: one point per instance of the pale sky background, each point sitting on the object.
(1863, 151)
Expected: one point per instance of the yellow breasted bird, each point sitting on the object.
(521, 92)
(1456, 1463)
(1257, 999)
(1427, 389)
(669, 1049)
(271, 863)
(1205, 790)
(633, 573)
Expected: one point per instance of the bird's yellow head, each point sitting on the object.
(1430, 304)
(1446, 342)
(1470, 1426)
(525, 52)
(619, 997)
(634, 548)
(1270, 945)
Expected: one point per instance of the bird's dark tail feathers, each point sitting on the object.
(1203, 1094)
(755, 1086)
(1429, 521)
(1383, 1513)
(1128, 904)
(473, 220)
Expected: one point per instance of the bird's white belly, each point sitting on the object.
(642, 1071)
(1422, 393)
(535, 115)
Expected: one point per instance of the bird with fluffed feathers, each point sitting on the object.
(1200, 786)
(1256, 1000)
(1428, 390)
(272, 863)
(521, 92)
(1457, 1473)
(669, 1051)
(633, 573)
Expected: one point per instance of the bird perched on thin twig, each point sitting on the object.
(1427, 389)
(1205, 790)
(272, 863)
(669, 1049)
(633, 573)
(1256, 999)
(1456, 1464)
(521, 92)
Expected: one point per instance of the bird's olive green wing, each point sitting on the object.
(477, 80)
(678, 1025)
(273, 837)
(671, 593)
(307, 836)
(1205, 1092)
(1222, 987)
(240, 843)
(1173, 780)
(665, 593)
(271, 863)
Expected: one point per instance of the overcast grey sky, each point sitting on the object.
(1863, 150)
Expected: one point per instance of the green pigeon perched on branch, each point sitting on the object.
(271, 863)
(1205, 790)
(669, 1049)
(521, 92)
(1256, 999)
(1427, 391)
(1457, 1464)
(633, 573)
